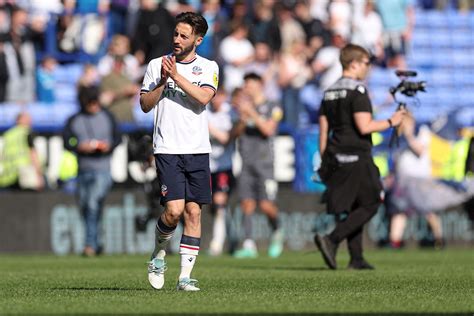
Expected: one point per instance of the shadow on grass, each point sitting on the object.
(97, 289)
(284, 268)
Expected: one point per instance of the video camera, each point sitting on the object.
(408, 88)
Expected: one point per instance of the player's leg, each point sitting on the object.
(171, 176)
(267, 193)
(189, 246)
(198, 192)
(276, 241)
(221, 184)
(249, 247)
(247, 196)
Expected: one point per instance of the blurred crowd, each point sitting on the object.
(293, 44)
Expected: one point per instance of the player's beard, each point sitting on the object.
(184, 52)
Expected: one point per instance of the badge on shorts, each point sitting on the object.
(164, 190)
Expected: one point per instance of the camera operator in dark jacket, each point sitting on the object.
(354, 190)
(92, 134)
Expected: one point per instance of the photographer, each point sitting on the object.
(354, 190)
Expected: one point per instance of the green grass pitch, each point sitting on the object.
(407, 281)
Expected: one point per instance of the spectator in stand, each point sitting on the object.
(20, 166)
(398, 18)
(238, 13)
(236, 52)
(294, 72)
(89, 78)
(118, 16)
(266, 66)
(3, 72)
(290, 29)
(326, 65)
(20, 59)
(368, 31)
(83, 27)
(120, 47)
(45, 80)
(118, 92)
(264, 25)
(341, 13)
(154, 32)
(211, 11)
(92, 134)
(317, 35)
(5, 18)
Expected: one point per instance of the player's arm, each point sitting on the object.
(222, 137)
(323, 133)
(267, 127)
(202, 95)
(149, 99)
(152, 93)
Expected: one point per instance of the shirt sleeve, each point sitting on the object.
(211, 77)
(322, 109)
(361, 101)
(152, 75)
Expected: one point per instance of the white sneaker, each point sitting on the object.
(187, 284)
(156, 271)
(215, 248)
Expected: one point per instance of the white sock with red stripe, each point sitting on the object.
(188, 249)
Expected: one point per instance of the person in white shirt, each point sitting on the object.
(237, 52)
(178, 87)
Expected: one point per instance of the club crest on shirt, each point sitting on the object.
(197, 70)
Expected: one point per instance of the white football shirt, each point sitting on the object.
(180, 123)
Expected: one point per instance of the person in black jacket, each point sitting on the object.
(354, 190)
(92, 134)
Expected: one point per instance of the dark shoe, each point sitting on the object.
(328, 250)
(360, 265)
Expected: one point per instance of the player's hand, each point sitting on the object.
(164, 73)
(169, 65)
(398, 116)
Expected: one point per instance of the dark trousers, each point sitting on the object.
(351, 228)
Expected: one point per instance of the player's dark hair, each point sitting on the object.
(352, 52)
(195, 20)
(253, 76)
